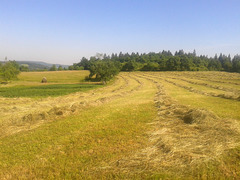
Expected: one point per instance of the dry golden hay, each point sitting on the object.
(25, 113)
(182, 137)
(198, 116)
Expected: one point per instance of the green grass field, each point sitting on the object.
(44, 91)
(132, 128)
(53, 77)
(59, 83)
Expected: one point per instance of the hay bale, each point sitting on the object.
(44, 80)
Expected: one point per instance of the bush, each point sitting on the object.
(9, 70)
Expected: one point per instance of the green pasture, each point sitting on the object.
(53, 76)
(44, 91)
(58, 83)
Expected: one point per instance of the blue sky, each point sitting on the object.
(63, 31)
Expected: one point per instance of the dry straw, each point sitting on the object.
(182, 137)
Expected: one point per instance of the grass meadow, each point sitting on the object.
(59, 83)
(142, 125)
(62, 77)
(44, 91)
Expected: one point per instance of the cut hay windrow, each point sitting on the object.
(182, 137)
(230, 90)
(228, 95)
(215, 77)
(50, 109)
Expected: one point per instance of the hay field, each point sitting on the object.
(144, 125)
(59, 83)
(53, 77)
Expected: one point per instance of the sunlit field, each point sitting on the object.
(53, 77)
(58, 83)
(142, 125)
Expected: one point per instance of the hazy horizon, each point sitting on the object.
(62, 32)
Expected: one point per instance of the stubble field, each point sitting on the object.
(142, 125)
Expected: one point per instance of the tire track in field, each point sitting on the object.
(224, 96)
(71, 104)
(181, 137)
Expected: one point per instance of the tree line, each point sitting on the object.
(166, 61)
(103, 67)
(162, 61)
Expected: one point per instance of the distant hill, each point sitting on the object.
(38, 65)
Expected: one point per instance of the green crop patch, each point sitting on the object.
(44, 91)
